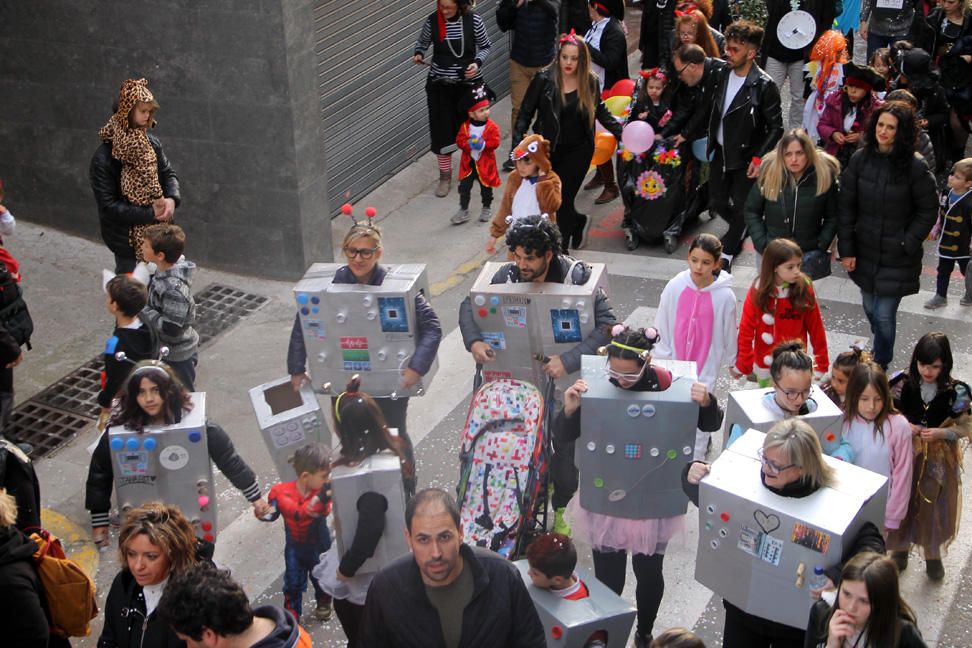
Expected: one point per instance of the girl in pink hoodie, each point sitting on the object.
(880, 436)
(697, 318)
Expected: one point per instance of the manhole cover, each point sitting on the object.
(44, 427)
(76, 392)
(220, 307)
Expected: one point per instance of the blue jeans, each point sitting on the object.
(185, 370)
(882, 313)
(299, 560)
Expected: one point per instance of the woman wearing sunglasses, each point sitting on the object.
(362, 248)
(792, 466)
(612, 538)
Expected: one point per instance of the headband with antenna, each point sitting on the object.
(367, 224)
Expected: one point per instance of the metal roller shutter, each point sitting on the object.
(375, 120)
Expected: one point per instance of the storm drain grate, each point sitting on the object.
(44, 427)
(58, 413)
(218, 308)
(76, 392)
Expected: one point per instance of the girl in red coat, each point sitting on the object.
(478, 139)
(780, 306)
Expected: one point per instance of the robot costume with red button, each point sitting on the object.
(758, 549)
(171, 463)
(602, 619)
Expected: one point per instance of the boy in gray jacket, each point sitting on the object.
(171, 310)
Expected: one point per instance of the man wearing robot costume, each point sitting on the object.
(537, 319)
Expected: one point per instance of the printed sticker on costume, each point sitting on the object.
(771, 551)
(131, 464)
(174, 457)
(515, 316)
(807, 536)
(496, 340)
(315, 328)
(566, 325)
(749, 540)
(394, 319)
(760, 545)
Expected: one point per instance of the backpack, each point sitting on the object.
(70, 593)
(14, 316)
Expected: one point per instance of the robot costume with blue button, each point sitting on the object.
(601, 620)
(525, 322)
(758, 550)
(287, 420)
(351, 328)
(169, 464)
(755, 409)
(634, 443)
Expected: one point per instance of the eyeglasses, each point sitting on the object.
(793, 394)
(626, 377)
(773, 467)
(364, 253)
(678, 72)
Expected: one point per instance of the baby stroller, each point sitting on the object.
(651, 189)
(503, 466)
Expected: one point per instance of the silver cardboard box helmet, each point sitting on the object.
(288, 420)
(747, 410)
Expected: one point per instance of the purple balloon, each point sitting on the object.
(638, 137)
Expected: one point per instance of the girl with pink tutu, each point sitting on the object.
(612, 538)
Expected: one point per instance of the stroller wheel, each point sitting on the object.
(630, 239)
(671, 243)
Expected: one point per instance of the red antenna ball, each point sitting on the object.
(370, 212)
(346, 209)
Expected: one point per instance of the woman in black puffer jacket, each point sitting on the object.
(795, 196)
(888, 204)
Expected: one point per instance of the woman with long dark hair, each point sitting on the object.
(888, 204)
(565, 101)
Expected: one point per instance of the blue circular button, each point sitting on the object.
(131, 443)
(315, 299)
(304, 311)
(315, 310)
(302, 299)
(194, 436)
(117, 444)
(149, 444)
(494, 300)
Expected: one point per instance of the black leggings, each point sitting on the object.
(945, 267)
(610, 568)
(571, 165)
(743, 630)
(350, 616)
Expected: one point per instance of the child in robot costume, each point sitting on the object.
(304, 504)
(153, 396)
(533, 189)
(880, 436)
(553, 558)
(612, 538)
(696, 318)
(779, 306)
(938, 408)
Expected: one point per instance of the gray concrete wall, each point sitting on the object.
(240, 119)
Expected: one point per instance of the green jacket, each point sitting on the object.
(798, 213)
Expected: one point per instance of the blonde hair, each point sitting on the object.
(362, 230)
(586, 98)
(8, 509)
(773, 172)
(964, 166)
(167, 528)
(800, 446)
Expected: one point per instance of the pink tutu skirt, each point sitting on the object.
(609, 533)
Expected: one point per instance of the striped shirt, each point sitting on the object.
(454, 37)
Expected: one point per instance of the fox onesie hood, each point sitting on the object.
(548, 187)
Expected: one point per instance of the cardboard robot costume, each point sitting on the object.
(601, 617)
(758, 549)
(527, 321)
(747, 409)
(171, 464)
(359, 328)
(287, 420)
(635, 443)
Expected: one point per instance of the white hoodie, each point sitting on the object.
(698, 325)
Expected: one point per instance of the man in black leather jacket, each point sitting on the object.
(745, 122)
(116, 213)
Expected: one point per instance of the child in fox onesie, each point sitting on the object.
(532, 189)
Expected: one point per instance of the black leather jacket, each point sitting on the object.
(543, 100)
(754, 122)
(115, 212)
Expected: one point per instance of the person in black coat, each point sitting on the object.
(657, 33)
(447, 593)
(888, 205)
(116, 213)
(884, 621)
(562, 103)
(155, 542)
(165, 402)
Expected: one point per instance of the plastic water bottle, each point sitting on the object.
(819, 579)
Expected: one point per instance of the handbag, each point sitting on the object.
(816, 264)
